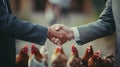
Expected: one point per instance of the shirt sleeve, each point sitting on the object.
(76, 34)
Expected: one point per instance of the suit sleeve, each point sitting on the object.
(13, 27)
(102, 27)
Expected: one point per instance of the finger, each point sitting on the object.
(58, 27)
(55, 26)
(52, 39)
(56, 34)
(56, 41)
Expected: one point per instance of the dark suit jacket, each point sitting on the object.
(10, 28)
(108, 22)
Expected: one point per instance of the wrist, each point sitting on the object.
(71, 34)
(49, 33)
(76, 35)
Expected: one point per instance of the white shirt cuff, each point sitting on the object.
(76, 33)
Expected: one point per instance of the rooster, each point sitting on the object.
(59, 59)
(95, 60)
(22, 58)
(36, 59)
(89, 52)
(75, 60)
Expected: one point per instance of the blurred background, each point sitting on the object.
(80, 12)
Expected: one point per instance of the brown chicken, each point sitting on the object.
(22, 58)
(36, 59)
(89, 52)
(59, 59)
(95, 60)
(74, 60)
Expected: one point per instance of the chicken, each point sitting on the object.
(74, 60)
(87, 55)
(109, 60)
(58, 58)
(95, 60)
(36, 59)
(22, 58)
(44, 53)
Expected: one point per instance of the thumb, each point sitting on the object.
(58, 28)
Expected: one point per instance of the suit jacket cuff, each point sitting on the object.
(43, 36)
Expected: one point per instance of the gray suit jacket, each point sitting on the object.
(108, 22)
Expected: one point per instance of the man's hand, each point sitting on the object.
(59, 34)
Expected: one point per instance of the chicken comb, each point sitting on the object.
(59, 47)
(74, 49)
(32, 46)
(73, 46)
(25, 48)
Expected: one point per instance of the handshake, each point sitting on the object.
(59, 34)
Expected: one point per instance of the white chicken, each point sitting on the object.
(44, 52)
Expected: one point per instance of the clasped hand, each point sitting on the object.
(60, 34)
